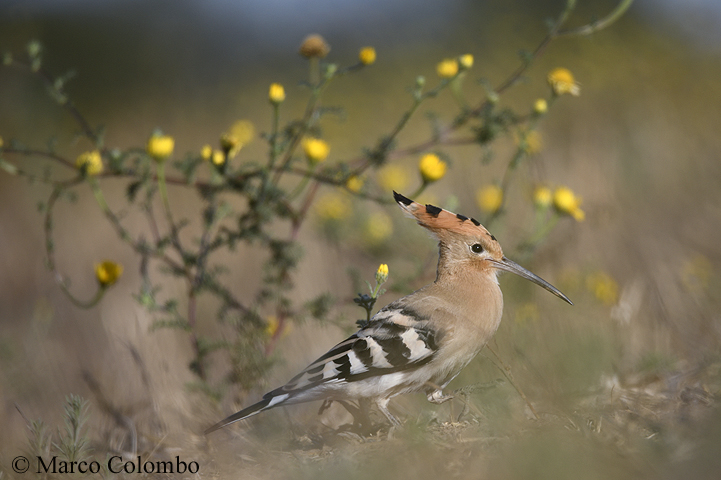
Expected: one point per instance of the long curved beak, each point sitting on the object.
(513, 267)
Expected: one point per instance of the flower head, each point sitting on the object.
(540, 106)
(393, 177)
(561, 81)
(367, 55)
(217, 157)
(465, 61)
(276, 93)
(314, 46)
(238, 135)
(490, 198)
(206, 152)
(333, 207)
(316, 150)
(160, 147)
(107, 273)
(382, 273)
(567, 203)
(542, 197)
(354, 184)
(431, 167)
(91, 162)
(603, 287)
(378, 228)
(529, 142)
(447, 68)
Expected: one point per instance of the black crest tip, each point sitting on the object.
(460, 217)
(401, 199)
(476, 222)
(433, 210)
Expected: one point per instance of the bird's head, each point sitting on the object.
(465, 243)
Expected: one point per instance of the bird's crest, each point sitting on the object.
(439, 221)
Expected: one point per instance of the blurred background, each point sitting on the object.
(625, 382)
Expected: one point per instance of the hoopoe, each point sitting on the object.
(422, 341)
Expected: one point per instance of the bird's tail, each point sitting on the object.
(270, 400)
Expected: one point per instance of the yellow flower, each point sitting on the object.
(108, 273)
(529, 142)
(316, 150)
(238, 135)
(540, 106)
(272, 327)
(431, 167)
(542, 197)
(367, 55)
(206, 152)
(393, 177)
(333, 207)
(378, 228)
(382, 273)
(92, 162)
(465, 61)
(314, 46)
(603, 287)
(561, 81)
(354, 184)
(447, 68)
(217, 157)
(568, 203)
(160, 147)
(490, 198)
(276, 93)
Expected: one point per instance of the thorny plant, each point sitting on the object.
(277, 190)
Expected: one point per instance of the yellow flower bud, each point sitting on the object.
(316, 150)
(540, 106)
(206, 152)
(354, 184)
(542, 197)
(603, 287)
(529, 142)
(92, 162)
(314, 46)
(382, 273)
(276, 93)
(561, 81)
(238, 135)
(490, 198)
(107, 273)
(217, 157)
(333, 207)
(465, 61)
(431, 167)
(447, 68)
(367, 55)
(393, 177)
(160, 147)
(567, 203)
(378, 228)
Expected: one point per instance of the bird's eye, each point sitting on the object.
(476, 248)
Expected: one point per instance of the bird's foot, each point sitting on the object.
(438, 397)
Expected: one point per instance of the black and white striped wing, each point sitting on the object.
(396, 340)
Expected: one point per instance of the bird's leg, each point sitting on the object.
(383, 407)
(435, 394)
